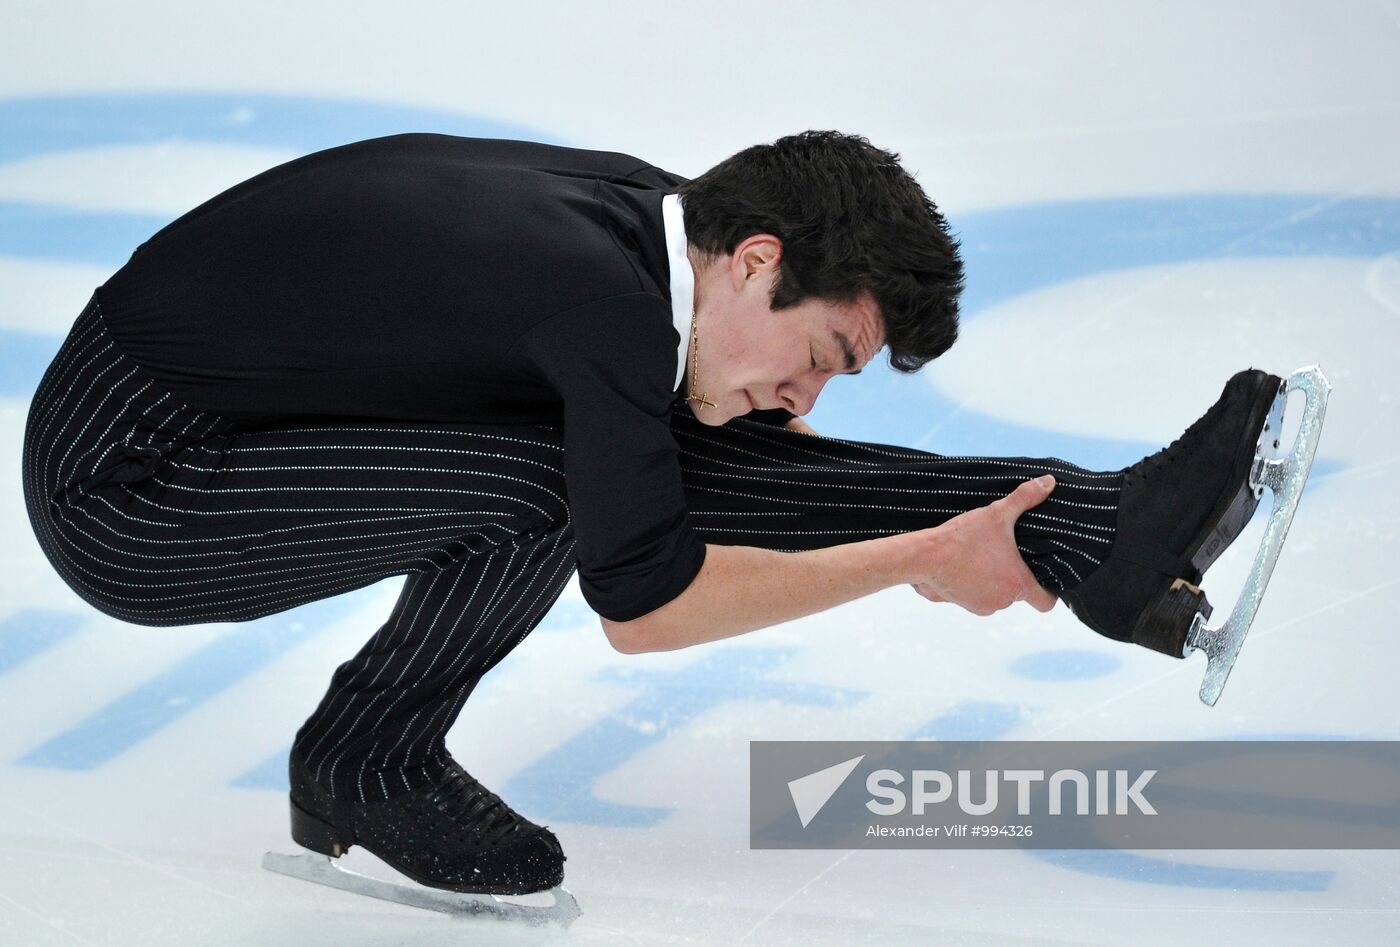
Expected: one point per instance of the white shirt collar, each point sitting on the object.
(682, 279)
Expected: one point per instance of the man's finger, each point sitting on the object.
(1039, 598)
(1027, 495)
(926, 591)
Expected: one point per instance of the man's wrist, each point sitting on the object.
(908, 557)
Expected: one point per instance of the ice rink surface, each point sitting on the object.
(1150, 196)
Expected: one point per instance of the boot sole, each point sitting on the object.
(316, 834)
(1163, 624)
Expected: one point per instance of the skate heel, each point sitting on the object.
(1227, 529)
(314, 833)
(1163, 625)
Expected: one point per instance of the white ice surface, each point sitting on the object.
(996, 105)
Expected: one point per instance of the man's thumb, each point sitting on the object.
(1031, 493)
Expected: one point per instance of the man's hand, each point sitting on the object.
(971, 560)
(975, 563)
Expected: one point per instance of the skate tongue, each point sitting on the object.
(482, 809)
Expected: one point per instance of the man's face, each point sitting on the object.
(754, 357)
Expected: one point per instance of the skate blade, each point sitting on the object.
(1284, 474)
(321, 869)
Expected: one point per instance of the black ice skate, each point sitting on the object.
(452, 835)
(1183, 506)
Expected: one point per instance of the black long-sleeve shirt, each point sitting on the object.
(434, 278)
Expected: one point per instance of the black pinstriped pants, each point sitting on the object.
(159, 514)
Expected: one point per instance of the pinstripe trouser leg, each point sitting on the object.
(160, 514)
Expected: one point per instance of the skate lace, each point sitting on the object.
(479, 809)
(1168, 454)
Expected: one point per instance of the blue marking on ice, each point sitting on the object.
(23, 358)
(1015, 250)
(33, 631)
(71, 235)
(1144, 869)
(271, 773)
(187, 684)
(561, 785)
(972, 720)
(43, 124)
(1069, 664)
(1127, 866)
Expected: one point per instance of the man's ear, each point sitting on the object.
(758, 257)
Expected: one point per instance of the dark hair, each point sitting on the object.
(850, 219)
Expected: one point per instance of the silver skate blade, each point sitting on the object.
(1284, 474)
(322, 870)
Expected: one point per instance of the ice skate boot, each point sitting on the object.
(1181, 508)
(452, 835)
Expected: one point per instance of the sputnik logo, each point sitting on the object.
(813, 791)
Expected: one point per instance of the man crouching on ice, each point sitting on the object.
(485, 364)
